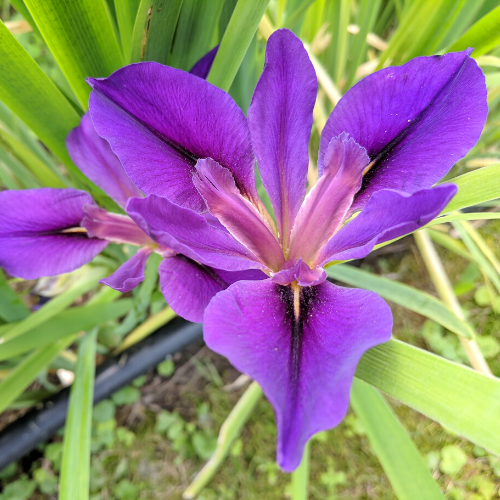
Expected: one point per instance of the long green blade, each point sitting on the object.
(154, 30)
(75, 465)
(81, 37)
(126, 12)
(68, 322)
(454, 395)
(389, 440)
(239, 33)
(475, 187)
(483, 36)
(33, 97)
(86, 283)
(404, 295)
(26, 371)
(12, 308)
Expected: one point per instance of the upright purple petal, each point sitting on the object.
(237, 214)
(130, 273)
(94, 157)
(299, 271)
(414, 120)
(326, 205)
(159, 121)
(188, 287)
(202, 68)
(280, 119)
(388, 214)
(190, 234)
(40, 233)
(305, 364)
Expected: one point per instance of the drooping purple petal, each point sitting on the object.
(414, 120)
(300, 272)
(40, 233)
(94, 157)
(114, 227)
(388, 214)
(159, 121)
(305, 366)
(326, 205)
(237, 214)
(188, 287)
(130, 273)
(202, 68)
(280, 119)
(190, 234)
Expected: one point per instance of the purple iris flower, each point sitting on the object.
(191, 150)
(188, 147)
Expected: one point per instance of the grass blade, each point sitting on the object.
(239, 33)
(75, 465)
(154, 30)
(81, 37)
(404, 295)
(401, 460)
(12, 308)
(68, 322)
(34, 98)
(462, 399)
(27, 370)
(126, 12)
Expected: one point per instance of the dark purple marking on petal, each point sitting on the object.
(159, 121)
(188, 286)
(202, 68)
(114, 227)
(388, 214)
(40, 233)
(130, 273)
(305, 364)
(236, 213)
(328, 202)
(280, 120)
(299, 271)
(94, 157)
(416, 121)
(190, 234)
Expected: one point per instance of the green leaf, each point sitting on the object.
(239, 33)
(463, 400)
(404, 295)
(34, 98)
(475, 187)
(87, 282)
(465, 216)
(401, 460)
(75, 467)
(41, 171)
(194, 37)
(12, 308)
(126, 12)
(483, 36)
(81, 37)
(66, 323)
(154, 30)
(27, 370)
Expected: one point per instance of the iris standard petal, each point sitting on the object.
(188, 286)
(94, 157)
(130, 273)
(40, 233)
(305, 366)
(326, 205)
(202, 67)
(388, 214)
(190, 234)
(414, 120)
(237, 214)
(300, 272)
(280, 120)
(159, 121)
